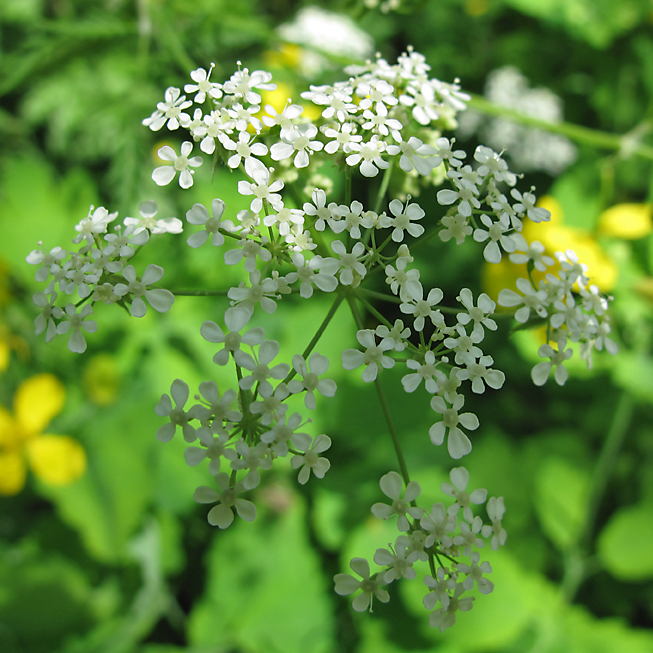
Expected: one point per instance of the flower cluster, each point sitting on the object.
(98, 271)
(442, 532)
(298, 239)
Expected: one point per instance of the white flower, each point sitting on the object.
(97, 222)
(76, 322)
(456, 226)
(418, 155)
(49, 262)
(458, 490)
(527, 205)
(222, 515)
(540, 373)
(236, 318)
(444, 618)
(477, 314)
(373, 357)
(368, 154)
(260, 292)
(170, 111)
(495, 511)
(199, 215)
(300, 142)
(474, 573)
(260, 369)
(392, 485)
(400, 561)
(350, 262)
(212, 448)
(163, 175)
(533, 252)
(44, 321)
(244, 148)
(465, 195)
(310, 460)
(438, 524)
(532, 300)
(422, 308)
(479, 371)
(203, 85)
(458, 443)
(342, 136)
(402, 281)
(347, 584)
(423, 371)
(396, 336)
(147, 221)
(251, 458)
(242, 82)
(250, 250)
(284, 220)
(283, 119)
(178, 416)
(262, 189)
(403, 219)
(159, 299)
(439, 588)
(317, 270)
(496, 233)
(310, 380)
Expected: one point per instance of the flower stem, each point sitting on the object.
(318, 334)
(384, 404)
(627, 144)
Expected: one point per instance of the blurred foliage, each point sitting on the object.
(122, 560)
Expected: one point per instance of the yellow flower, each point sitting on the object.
(55, 459)
(629, 221)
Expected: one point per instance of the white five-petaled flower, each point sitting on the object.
(422, 308)
(199, 215)
(347, 584)
(350, 262)
(181, 164)
(76, 322)
(496, 234)
(458, 490)
(403, 219)
(373, 357)
(495, 511)
(540, 373)
(148, 210)
(222, 514)
(458, 444)
(170, 111)
(392, 485)
(159, 299)
(423, 371)
(310, 379)
(300, 143)
(178, 416)
(259, 292)
(310, 460)
(97, 222)
(260, 370)
(203, 86)
(236, 318)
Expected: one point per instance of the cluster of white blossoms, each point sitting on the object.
(438, 536)
(297, 239)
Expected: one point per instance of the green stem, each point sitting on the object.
(318, 334)
(384, 186)
(384, 404)
(577, 563)
(627, 144)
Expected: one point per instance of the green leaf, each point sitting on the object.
(265, 591)
(624, 545)
(561, 492)
(107, 504)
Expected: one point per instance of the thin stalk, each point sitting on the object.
(384, 186)
(626, 144)
(318, 334)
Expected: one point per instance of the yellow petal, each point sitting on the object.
(37, 400)
(628, 221)
(56, 459)
(12, 472)
(10, 433)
